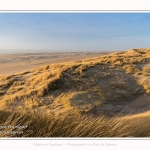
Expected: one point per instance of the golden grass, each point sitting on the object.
(44, 125)
(146, 71)
(131, 69)
(110, 77)
(76, 87)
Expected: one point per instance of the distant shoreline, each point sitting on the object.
(9, 52)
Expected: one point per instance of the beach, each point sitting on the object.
(15, 63)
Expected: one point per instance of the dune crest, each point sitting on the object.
(90, 85)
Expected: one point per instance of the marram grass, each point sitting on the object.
(31, 125)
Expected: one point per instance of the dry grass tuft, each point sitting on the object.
(131, 69)
(146, 71)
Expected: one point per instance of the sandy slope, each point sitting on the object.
(117, 83)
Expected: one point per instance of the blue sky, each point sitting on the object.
(31, 32)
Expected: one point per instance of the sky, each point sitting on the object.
(73, 32)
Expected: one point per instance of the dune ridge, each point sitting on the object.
(90, 85)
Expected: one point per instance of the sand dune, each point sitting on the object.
(117, 83)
